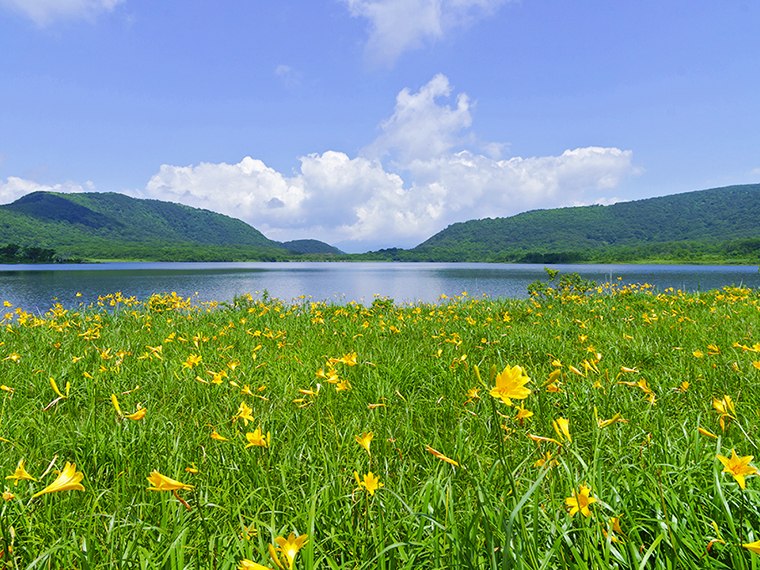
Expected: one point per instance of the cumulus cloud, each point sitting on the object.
(413, 180)
(396, 26)
(13, 188)
(44, 12)
(420, 128)
(422, 173)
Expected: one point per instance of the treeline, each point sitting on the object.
(739, 251)
(14, 253)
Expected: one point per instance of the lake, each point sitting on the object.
(36, 287)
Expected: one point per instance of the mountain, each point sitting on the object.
(114, 226)
(722, 222)
(310, 246)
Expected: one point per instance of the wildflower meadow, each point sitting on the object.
(603, 426)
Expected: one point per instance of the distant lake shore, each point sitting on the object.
(38, 286)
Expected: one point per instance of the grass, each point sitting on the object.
(316, 376)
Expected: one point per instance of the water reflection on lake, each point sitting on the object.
(37, 287)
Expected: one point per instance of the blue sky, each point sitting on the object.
(377, 123)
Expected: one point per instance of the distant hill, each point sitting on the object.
(310, 246)
(114, 226)
(720, 223)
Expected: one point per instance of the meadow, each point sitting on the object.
(586, 427)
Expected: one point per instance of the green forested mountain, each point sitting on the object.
(115, 226)
(310, 246)
(720, 223)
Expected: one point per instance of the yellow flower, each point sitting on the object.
(371, 483)
(753, 547)
(192, 469)
(539, 439)
(115, 403)
(57, 391)
(580, 501)
(348, 359)
(546, 458)
(522, 414)
(7, 496)
(441, 456)
(739, 467)
(289, 548)
(244, 412)
(138, 415)
(707, 433)
(562, 427)
(20, 473)
(163, 483)
(609, 422)
(215, 435)
(724, 407)
(68, 480)
(192, 360)
(510, 383)
(257, 438)
(365, 440)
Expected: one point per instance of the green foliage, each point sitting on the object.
(310, 246)
(643, 381)
(720, 225)
(109, 226)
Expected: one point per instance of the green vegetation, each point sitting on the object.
(720, 225)
(384, 436)
(112, 226)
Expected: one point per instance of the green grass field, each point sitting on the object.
(309, 435)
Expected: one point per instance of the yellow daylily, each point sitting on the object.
(441, 456)
(215, 435)
(739, 467)
(163, 483)
(510, 384)
(562, 427)
(244, 412)
(289, 548)
(57, 391)
(68, 480)
(580, 501)
(258, 439)
(138, 415)
(753, 547)
(371, 483)
(20, 473)
(365, 440)
(522, 414)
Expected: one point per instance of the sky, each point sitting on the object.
(370, 124)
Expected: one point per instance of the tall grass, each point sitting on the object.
(660, 365)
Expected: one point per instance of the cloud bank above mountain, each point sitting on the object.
(417, 177)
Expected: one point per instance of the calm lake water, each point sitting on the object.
(37, 287)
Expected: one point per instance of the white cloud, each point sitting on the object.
(15, 187)
(407, 184)
(397, 26)
(287, 75)
(419, 127)
(416, 178)
(43, 12)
